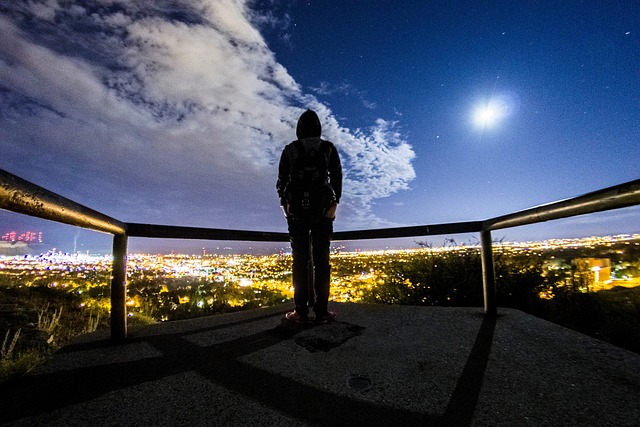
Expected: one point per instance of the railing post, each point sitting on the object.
(488, 274)
(119, 289)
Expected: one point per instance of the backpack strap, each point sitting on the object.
(300, 149)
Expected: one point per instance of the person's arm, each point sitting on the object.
(331, 211)
(335, 173)
(335, 178)
(283, 180)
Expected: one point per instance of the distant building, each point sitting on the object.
(21, 243)
(591, 273)
(14, 248)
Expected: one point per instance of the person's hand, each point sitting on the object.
(331, 211)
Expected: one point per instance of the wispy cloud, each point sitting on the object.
(347, 89)
(171, 112)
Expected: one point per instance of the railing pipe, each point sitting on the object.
(119, 289)
(420, 230)
(618, 196)
(21, 196)
(488, 274)
(198, 233)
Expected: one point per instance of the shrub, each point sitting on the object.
(446, 279)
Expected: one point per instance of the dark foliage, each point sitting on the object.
(455, 279)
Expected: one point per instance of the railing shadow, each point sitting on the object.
(463, 401)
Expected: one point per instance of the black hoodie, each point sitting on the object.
(308, 132)
(308, 125)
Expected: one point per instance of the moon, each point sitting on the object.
(488, 114)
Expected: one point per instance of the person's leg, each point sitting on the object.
(321, 234)
(299, 238)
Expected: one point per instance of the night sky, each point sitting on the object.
(175, 112)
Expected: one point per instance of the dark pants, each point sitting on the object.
(310, 241)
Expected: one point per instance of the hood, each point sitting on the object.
(308, 125)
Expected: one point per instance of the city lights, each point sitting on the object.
(190, 284)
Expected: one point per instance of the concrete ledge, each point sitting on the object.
(376, 365)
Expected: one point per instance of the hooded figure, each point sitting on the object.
(310, 186)
(304, 150)
(308, 125)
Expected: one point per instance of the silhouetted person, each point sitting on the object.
(310, 185)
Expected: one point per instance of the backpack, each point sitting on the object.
(308, 192)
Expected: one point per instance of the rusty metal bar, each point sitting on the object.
(616, 197)
(21, 196)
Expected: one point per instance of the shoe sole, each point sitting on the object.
(293, 320)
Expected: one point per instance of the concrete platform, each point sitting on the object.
(376, 365)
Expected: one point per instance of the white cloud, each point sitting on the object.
(160, 119)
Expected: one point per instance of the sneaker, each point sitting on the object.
(295, 317)
(326, 317)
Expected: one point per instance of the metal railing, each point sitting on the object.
(21, 196)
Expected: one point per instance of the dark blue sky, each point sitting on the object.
(570, 71)
(176, 112)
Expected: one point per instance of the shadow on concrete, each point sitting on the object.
(463, 401)
(34, 395)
